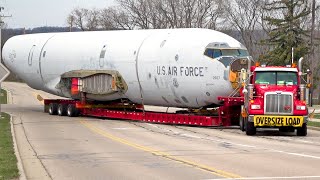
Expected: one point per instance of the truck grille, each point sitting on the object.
(280, 103)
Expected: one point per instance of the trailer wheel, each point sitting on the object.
(250, 129)
(53, 109)
(302, 131)
(72, 111)
(242, 123)
(62, 109)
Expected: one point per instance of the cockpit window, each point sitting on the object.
(215, 53)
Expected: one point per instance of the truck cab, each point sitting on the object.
(275, 97)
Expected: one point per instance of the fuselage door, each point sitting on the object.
(30, 57)
(102, 56)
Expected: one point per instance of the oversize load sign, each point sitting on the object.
(295, 121)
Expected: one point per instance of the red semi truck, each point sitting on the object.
(265, 96)
(275, 97)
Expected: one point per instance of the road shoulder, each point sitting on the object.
(17, 153)
(32, 166)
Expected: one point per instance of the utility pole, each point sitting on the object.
(313, 63)
(1, 24)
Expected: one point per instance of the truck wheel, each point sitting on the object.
(241, 123)
(62, 109)
(250, 129)
(72, 111)
(53, 109)
(302, 131)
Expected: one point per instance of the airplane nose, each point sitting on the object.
(3, 57)
(8, 57)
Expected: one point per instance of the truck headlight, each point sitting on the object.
(301, 107)
(255, 106)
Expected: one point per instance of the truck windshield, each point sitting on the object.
(215, 53)
(276, 78)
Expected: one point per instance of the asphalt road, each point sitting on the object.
(53, 147)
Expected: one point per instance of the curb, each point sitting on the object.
(17, 153)
(314, 128)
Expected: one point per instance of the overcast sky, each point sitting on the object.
(36, 13)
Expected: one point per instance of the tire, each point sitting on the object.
(62, 109)
(250, 129)
(72, 111)
(241, 123)
(302, 131)
(53, 109)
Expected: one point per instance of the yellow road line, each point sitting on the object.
(209, 169)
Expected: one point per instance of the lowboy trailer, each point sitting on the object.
(267, 96)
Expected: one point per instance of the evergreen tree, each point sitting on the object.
(286, 31)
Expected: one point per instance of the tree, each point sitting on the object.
(159, 14)
(93, 20)
(84, 19)
(245, 17)
(140, 11)
(114, 18)
(287, 31)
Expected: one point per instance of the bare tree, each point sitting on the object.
(70, 21)
(85, 19)
(92, 19)
(146, 14)
(106, 19)
(77, 18)
(138, 11)
(149, 14)
(191, 13)
(244, 16)
(114, 18)
(209, 13)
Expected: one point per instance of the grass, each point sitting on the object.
(313, 123)
(8, 160)
(316, 116)
(3, 96)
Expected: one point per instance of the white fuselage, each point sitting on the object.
(161, 67)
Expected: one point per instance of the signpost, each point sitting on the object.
(4, 72)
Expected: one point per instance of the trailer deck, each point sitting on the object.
(226, 115)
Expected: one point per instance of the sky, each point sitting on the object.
(36, 13)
